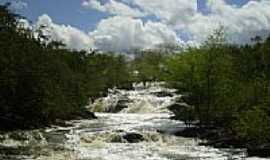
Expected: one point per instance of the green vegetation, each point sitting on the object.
(41, 82)
(227, 85)
(149, 65)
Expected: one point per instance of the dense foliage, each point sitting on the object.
(40, 81)
(227, 85)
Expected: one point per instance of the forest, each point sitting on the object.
(42, 82)
(227, 86)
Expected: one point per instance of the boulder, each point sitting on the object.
(163, 94)
(178, 108)
(133, 137)
(189, 99)
(183, 112)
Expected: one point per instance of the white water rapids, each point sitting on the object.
(143, 112)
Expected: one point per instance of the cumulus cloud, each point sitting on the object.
(113, 7)
(118, 33)
(71, 36)
(241, 23)
(124, 33)
(126, 28)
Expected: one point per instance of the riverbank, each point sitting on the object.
(222, 138)
(13, 124)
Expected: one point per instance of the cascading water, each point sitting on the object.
(140, 100)
(131, 125)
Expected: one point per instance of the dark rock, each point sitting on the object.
(192, 132)
(183, 112)
(163, 94)
(4, 150)
(55, 137)
(216, 137)
(133, 137)
(90, 115)
(260, 151)
(224, 141)
(127, 86)
(119, 130)
(189, 99)
(177, 107)
(87, 115)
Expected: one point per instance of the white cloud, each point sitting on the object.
(116, 33)
(72, 37)
(125, 29)
(241, 23)
(169, 11)
(113, 7)
(124, 33)
(94, 4)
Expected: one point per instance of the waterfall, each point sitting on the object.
(131, 125)
(151, 98)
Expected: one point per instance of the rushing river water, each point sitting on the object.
(143, 114)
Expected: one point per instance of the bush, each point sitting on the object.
(253, 125)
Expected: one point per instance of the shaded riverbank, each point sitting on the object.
(221, 138)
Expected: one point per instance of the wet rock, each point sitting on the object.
(55, 137)
(216, 137)
(121, 104)
(87, 115)
(163, 94)
(178, 106)
(19, 150)
(117, 139)
(178, 109)
(119, 130)
(193, 132)
(133, 137)
(127, 86)
(183, 112)
(261, 150)
(189, 99)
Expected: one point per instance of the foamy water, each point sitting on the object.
(102, 139)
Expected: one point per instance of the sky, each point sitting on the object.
(118, 25)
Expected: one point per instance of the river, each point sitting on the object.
(140, 130)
